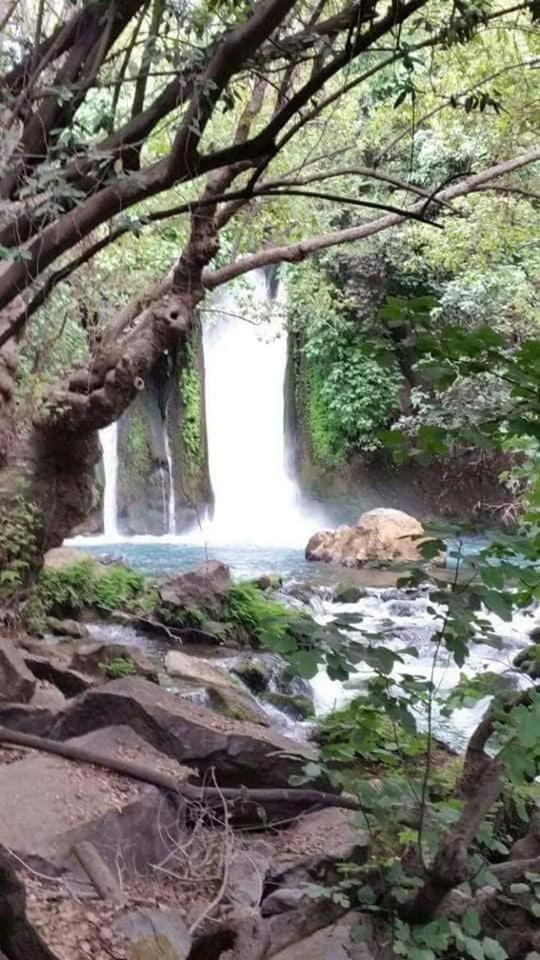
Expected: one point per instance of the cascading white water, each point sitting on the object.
(108, 438)
(245, 351)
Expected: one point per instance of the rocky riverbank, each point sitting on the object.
(147, 795)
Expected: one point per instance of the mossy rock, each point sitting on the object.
(349, 593)
(268, 581)
(237, 704)
(297, 707)
(254, 673)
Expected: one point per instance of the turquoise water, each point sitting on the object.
(169, 555)
(166, 556)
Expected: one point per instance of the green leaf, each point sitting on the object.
(471, 923)
(474, 948)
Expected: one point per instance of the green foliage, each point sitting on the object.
(19, 522)
(346, 392)
(190, 392)
(118, 668)
(66, 591)
(267, 622)
(360, 734)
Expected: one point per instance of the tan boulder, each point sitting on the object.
(382, 534)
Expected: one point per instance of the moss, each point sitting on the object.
(265, 621)
(298, 707)
(191, 397)
(138, 462)
(68, 591)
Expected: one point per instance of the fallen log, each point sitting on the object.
(301, 800)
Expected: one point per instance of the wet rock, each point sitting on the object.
(528, 660)
(17, 684)
(241, 753)
(401, 608)
(97, 658)
(237, 704)
(349, 593)
(297, 707)
(255, 673)
(380, 535)
(224, 695)
(268, 581)
(153, 932)
(195, 669)
(67, 628)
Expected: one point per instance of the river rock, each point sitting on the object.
(225, 696)
(240, 753)
(95, 658)
(382, 534)
(349, 593)
(17, 684)
(67, 628)
(201, 589)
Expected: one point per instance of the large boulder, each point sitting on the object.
(201, 589)
(49, 804)
(241, 753)
(382, 534)
(17, 684)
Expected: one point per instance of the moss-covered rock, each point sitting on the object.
(296, 706)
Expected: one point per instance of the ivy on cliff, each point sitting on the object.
(190, 392)
(345, 393)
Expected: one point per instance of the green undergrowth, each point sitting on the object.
(67, 591)
(268, 623)
(361, 737)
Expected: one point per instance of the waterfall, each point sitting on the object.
(170, 514)
(245, 351)
(109, 444)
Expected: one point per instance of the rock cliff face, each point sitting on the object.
(385, 535)
(164, 431)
